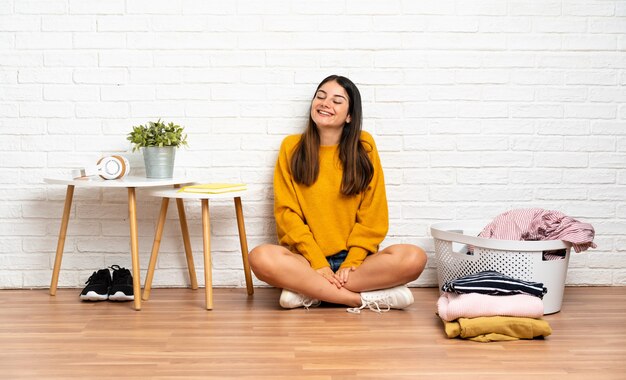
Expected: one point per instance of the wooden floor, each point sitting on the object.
(173, 337)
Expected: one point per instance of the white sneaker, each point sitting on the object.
(292, 300)
(383, 300)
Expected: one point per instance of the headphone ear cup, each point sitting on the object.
(125, 166)
(111, 167)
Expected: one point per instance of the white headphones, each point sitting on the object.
(108, 167)
(113, 167)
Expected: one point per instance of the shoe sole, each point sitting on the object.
(93, 296)
(120, 296)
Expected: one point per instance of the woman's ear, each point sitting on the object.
(348, 119)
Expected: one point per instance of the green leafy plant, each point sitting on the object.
(157, 134)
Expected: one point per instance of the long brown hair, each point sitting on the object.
(357, 167)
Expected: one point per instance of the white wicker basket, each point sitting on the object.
(519, 259)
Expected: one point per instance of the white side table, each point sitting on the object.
(166, 194)
(131, 183)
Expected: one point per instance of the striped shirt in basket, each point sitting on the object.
(494, 283)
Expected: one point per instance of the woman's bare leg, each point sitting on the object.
(278, 266)
(395, 265)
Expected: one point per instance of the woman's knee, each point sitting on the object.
(265, 261)
(412, 259)
(419, 259)
(259, 257)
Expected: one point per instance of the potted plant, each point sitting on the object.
(158, 141)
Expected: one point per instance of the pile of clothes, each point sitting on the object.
(490, 306)
(540, 224)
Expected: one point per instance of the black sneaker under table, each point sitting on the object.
(122, 285)
(97, 288)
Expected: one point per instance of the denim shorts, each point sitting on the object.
(336, 260)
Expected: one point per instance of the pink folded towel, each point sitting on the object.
(452, 306)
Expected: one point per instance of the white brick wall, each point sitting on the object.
(477, 106)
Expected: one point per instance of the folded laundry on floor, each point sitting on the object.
(451, 306)
(540, 224)
(494, 283)
(489, 329)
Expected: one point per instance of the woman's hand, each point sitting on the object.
(328, 274)
(342, 274)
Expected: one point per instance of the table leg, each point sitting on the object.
(188, 253)
(156, 244)
(69, 194)
(243, 241)
(134, 246)
(206, 236)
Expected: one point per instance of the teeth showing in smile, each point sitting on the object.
(324, 113)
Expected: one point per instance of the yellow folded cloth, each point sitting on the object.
(214, 188)
(487, 329)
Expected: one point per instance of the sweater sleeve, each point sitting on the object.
(291, 225)
(372, 219)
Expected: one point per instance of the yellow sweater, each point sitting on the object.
(317, 220)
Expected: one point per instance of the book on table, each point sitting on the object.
(214, 188)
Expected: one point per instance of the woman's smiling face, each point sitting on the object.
(330, 106)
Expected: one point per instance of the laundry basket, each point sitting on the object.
(460, 252)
